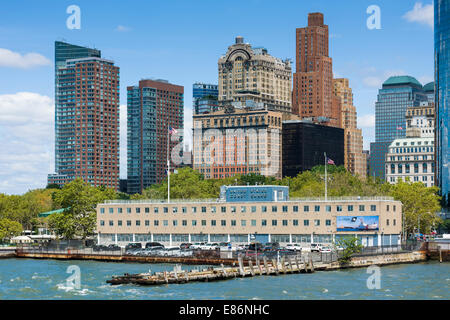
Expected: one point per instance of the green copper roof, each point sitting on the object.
(396, 80)
(46, 214)
(428, 87)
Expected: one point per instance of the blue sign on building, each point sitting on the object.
(254, 193)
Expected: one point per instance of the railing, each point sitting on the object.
(218, 200)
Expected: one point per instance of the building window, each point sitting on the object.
(194, 209)
(166, 210)
(119, 223)
(128, 223)
(165, 223)
(285, 223)
(233, 209)
(111, 223)
(147, 223)
(156, 223)
(128, 210)
(338, 208)
(243, 223)
(204, 209)
(328, 208)
(102, 222)
(119, 210)
(317, 208)
(147, 210)
(285, 208)
(155, 210)
(243, 209)
(387, 222)
(373, 207)
(223, 223)
(233, 223)
(350, 208)
(306, 223)
(362, 207)
(295, 208)
(253, 222)
(213, 223)
(184, 223)
(306, 208)
(204, 223)
(174, 223)
(102, 210)
(295, 222)
(274, 223)
(223, 209)
(264, 222)
(194, 223)
(111, 210)
(264, 209)
(328, 222)
(253, 208)
(317, 222)
(274, 208)
(213, 209)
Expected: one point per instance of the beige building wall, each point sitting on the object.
(354, 160)
(245, 219)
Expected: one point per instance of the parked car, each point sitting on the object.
(225, 246)
(210, 246)
(255, 246)
(325, 249)
(241, 247)
(171, 251)
(153, 251)
(271, 246)
(134, 245)
(100, 247)
(185, 246)
(315, 247)
(293, 247)
(197, 245)
(153, 244)
(114, 247)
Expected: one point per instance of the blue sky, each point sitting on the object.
(181, 41)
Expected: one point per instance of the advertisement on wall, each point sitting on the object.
(357, 223)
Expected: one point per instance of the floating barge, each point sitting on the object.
(259, 268)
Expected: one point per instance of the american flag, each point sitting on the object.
(329, 161)
(399, 128)
(172, 130)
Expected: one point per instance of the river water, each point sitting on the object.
(47, 279)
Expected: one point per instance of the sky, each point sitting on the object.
(181, 41)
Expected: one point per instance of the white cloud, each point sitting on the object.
(12, 59)
(26, 140)
(366, 121)
(376, 81)
(121, 28)
(373, 82)
(423, 14)
(425, 79)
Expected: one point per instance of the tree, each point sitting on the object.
(9, 229)
(350, 245)
(420, 205)
(79, 216)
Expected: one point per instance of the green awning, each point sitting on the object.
(46, 214)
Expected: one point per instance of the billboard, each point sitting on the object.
(357, 223)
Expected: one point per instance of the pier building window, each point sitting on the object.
(128, 210)
(338, 208)
(295, 222)
(194, 223)
(174, 223)
(285, 208)
(263, 209)
(111, 210)
(174, 210)
(223, 209)
(138, 223)
(194, 209)
(166, 210)
(223, 223)
(328, 222)
(119, 210)
(285, 223)
(350, 208)
(317, 208)
(213, 223)
(328, 208)
(138, 210)
(147, 210)
(119, 223)
(233, 223)
(156, 223)
(243, 209)
(253, 209)
(306, 208)
(213, 209)
(362, 207)
(264, 222)
(165, 223)
(233, 209)
(155, 210)
(102, 210)
(204, 223)
(111, 223)
(317, 222)
(147, 223)
(243, 223)
(253, 223)
(274, 223)
(295, 208)
(274, 208)
(102, 222)
(184, 209)
(184, 223)
(204, 209)
(394, 222)
(373, 207)
(306, 223)
(128, 223)
(387, 222)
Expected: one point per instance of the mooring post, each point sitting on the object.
(265, 265)
(241, 266)
(223, 270)
(283, 266)
(165, 277)
(296, 263)
(440, 254)
(275, 265)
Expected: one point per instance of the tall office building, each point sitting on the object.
(251, 77)
(86, 117)
(235, 141)
(153, 107)
(200, 90)
(442, 82)
(396, 95)
(354, 159)
(313, 80)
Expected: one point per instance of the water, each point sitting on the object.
(46, 279)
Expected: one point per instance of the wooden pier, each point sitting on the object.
(253, 268)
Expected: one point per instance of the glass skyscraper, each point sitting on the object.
(442, 82)
(204, 97)
(153, 107)
(396, 95)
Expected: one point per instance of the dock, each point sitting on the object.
(254, 268)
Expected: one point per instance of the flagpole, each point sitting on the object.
(168, 167)
(325, 155)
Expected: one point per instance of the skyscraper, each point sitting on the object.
(251, 77)
(396, 95)
(354, 160)
(153, 107)
(442, 82)
(86, 117)
(313, 80)
(204, 97)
